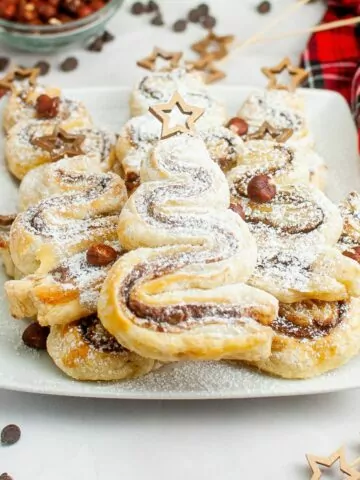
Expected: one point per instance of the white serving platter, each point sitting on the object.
(25, 370)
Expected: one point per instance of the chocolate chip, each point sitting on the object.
(137, 8)
(152, 7)
(96, 45)
(179, 26)
(4, 63)
(208, 21)
(107, 37)
(69, 64)
(10, 434)
(194, 15)
(44, 67)
(203, 9)
(264, 7)
(35, 336)
(157, 20)
(5, 476)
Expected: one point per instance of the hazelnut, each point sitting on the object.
(354, 253)
(237, 208)
(100, 255)
(238, 126)
(47, 107)
(261, 189)
(35, 336)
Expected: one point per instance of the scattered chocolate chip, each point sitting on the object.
(107, 37)
(69, 64)
(208, 21)
(179, 26)
(5, 476)
(10, 434)
(43, 66)
(354, 254)
(194, 15)
(137, 8)
(238, 125)
(237, 208)
(152, 7)
(35, 336)
(157, 20)
(96, 45)
(264, 7)
(4, 63)
(203, 9)
(261, 189)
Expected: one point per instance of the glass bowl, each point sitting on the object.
(47, 38)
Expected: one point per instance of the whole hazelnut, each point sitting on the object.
(47, 107)
(100, 255)
(238, 126)
(261, 189)
(354, 253)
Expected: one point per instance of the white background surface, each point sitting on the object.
(72, 439)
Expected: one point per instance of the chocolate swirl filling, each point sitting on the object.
(94, 334)
(289, 212)
(309, 320)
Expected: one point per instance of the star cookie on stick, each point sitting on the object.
(162, 112)
(298, 75)
(214, 45)
(205, 64)
(18, 74)
(339, 455)
(60, 144)
(149, 62)
(280, 135)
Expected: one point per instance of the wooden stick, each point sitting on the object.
(257, 36)
(318, 28)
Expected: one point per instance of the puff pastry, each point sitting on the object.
(62, 225)
(158, 87)
(22, 156)
(66, 293)
(313, 337)
(85, 351)
(182, 296)
(21, 106)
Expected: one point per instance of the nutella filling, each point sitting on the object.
(94, 333)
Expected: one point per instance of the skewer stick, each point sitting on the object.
(318, 28)
(240, 45)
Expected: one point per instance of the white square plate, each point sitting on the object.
(25, 370)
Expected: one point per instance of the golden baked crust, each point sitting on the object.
(85, 351)
(313, 337)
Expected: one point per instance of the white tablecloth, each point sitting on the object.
(74, 439)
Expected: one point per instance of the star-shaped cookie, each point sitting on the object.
(298, 75)
(149, 62)
(205, 64)
(162, 112)
(18, 74)
(60, 144)
(280, 135)
(314, 462)
(214, 45)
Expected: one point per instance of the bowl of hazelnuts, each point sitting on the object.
(46, 25)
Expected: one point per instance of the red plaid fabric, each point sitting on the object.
(332, 57)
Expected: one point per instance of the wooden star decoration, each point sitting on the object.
(18, 74)
(149, 62)
(206, 66)
(298, 75)
(214, 45)
(162, 112)
(60, 144)
(315, 461)
(280, 135)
